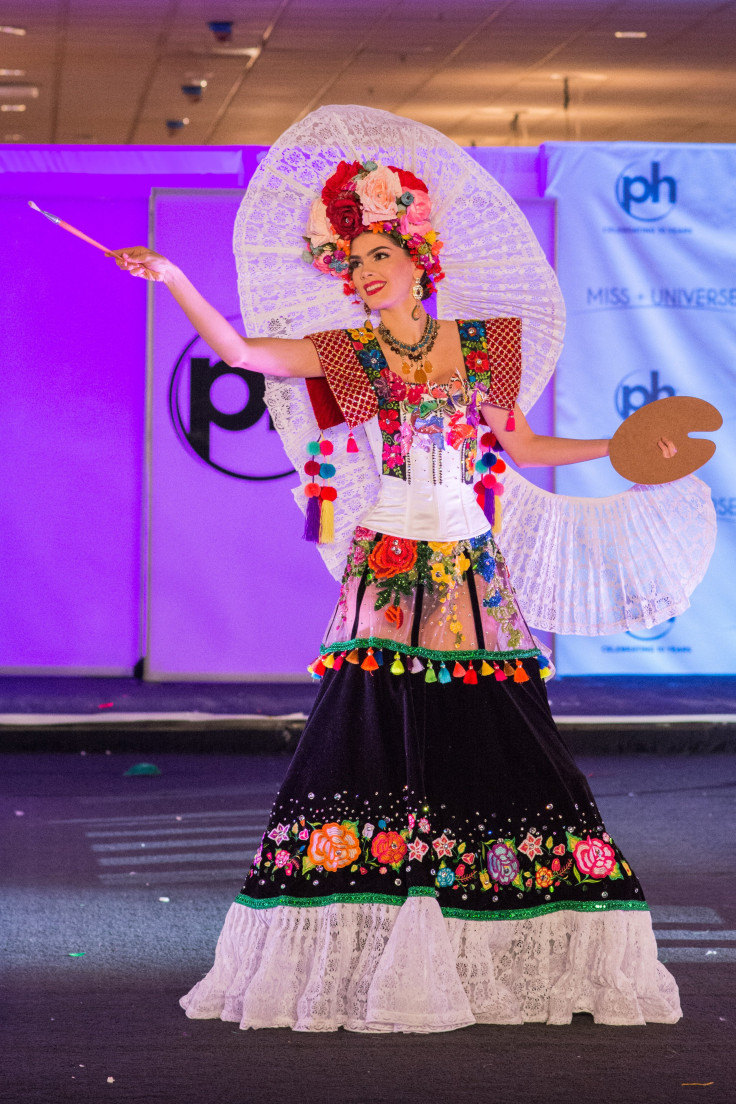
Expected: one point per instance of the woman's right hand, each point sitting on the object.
(143, 262)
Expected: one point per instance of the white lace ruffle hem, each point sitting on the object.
(378, 967)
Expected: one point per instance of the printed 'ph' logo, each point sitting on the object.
(630, 397)
(220, 416)
(646, 198)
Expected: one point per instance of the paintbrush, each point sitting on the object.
(72, 230)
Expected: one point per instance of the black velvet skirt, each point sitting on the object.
(463, 792)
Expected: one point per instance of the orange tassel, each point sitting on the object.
(458, 670)
(471, 676)
(520, 674)
(498, 673)
(508, 670)
(369, 663)
(353, 657)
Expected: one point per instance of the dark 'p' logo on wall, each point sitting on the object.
(220, 416)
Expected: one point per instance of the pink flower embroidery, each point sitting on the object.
(280, 833)
(468, 858)
(412, 820)
(424, 825)
(559, 849)
(532, 845)
(443, 845)
(417, 850)
(304, 834)
(594, 857)
(282, 858)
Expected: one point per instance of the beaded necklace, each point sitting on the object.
(417, 354)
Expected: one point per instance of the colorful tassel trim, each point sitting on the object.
(488, 489)
(374, 658)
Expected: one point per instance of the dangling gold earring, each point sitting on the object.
(367, 310)
(417, 293)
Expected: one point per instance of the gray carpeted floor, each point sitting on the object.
(78, 880)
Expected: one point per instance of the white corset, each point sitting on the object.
(432, 503)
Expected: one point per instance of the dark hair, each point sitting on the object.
(427, 289)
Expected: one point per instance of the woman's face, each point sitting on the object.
(383, 272)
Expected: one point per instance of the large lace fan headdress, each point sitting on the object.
(492, 262)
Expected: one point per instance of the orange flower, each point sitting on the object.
(394, 615)
(392, 556)
(333, 846)
(389, 847)
(543, 877)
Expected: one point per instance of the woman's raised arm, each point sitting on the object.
(272, 356)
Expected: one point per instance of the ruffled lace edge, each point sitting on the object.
(377, 967)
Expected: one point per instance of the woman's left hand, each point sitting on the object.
(667, 448)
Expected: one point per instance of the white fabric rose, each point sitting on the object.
(319, 230)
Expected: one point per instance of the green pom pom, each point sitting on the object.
(313, 448)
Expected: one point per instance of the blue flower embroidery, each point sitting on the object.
(486, 565)
(445, 877)
(493, 600)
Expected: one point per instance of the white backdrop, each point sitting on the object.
(646, 246)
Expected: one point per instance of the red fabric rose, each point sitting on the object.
(388, 420)
(392, 556)
(409, 181)
(389, 847)
(345, 215)
(342, 175)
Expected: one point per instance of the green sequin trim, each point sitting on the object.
(317, 902)
(448, 913)
(426, 653)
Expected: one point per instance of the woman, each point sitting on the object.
(434, 857)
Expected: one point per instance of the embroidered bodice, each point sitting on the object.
(424, 443)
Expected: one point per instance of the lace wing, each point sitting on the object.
(593, 566)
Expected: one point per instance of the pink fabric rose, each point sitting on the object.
(319, 230)
(594, 857)
(378, 191)
(416, 220)
(321, 264)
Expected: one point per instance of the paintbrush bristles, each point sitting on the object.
(34, 206)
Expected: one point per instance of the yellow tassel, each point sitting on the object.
(485, 668)
(397, 667)
(497, 516)
(327, 522)
(328, 660)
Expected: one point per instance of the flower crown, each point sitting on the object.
(366, 197)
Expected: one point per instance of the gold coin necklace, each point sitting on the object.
(416, 354)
